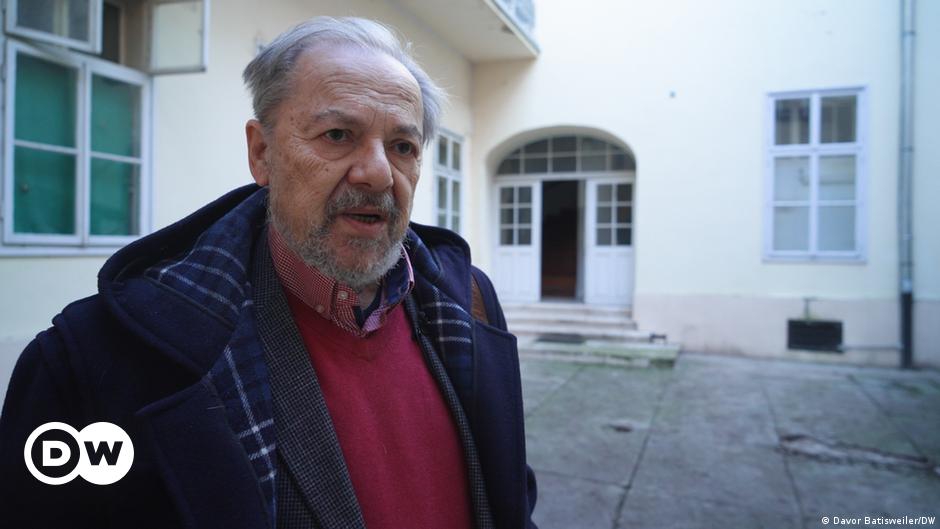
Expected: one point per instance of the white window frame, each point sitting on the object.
(813, 150)
(92, 45)
(446, 171)
(82, 242)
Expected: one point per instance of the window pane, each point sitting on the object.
(791, 228)
(441, 192)
(525, 237)
(505, 236)
(792, 121)
(624, 214)
(624, 193)
(837, 177)
(44, 192)
(455, 223)
(525, 215)
(791, 178)
(442, 219)
(603, 214)
(536, 165)
(623, 236)
(564, 144)
(505, 215)
(604, 193)
(594, 163)
(455, 196)
(525, 195)
(115, 111)
(836, 228)
(114, 198)
(45, 101)
(838, 119)
(509, 166)
(506, 195)
(64, 18)
(455, 162)
(536, 147)
(603, 236)
(176, 37)
(564, 164)
(618, 162)
(111, 33)
(593, 145)
(442, 150)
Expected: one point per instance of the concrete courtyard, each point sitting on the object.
(726, 442)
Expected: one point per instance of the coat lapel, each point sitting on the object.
(195, 451)
(307, 442)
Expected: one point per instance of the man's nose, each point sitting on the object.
(372, 168)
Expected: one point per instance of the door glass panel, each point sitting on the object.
(837, 228)
(792, 121)
(525, 195)
(441, 193)
(604, 193)
(525, 215)
(44, 192)
(603, 214)
(603, 236)
(624, 214)
(624, 193)
(564, 144)
(506, 195)
(525, 237)
(442, 150)
(618, 162)
(509, 166)
(442, 219)
(791, 178)
(837, 177)
(115, 111)
(536, 147)
(593, 145)
(505, 215)
(505, 236)
(45, 101)
(455, 156)
(623, 236)
(114, 197)
(594, 163)
(455, 196)
(838, 119)
(791, 228)
(564, 164)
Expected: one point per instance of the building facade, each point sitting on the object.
(718, 169)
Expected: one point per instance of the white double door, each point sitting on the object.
(607, 219)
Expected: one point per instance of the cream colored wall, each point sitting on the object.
(199, 145)
(700, 154)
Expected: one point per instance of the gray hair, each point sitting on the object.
(268, 75)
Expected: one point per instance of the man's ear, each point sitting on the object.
(257, 152)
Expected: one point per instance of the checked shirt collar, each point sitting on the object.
(333, 300)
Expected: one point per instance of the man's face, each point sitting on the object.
(342, 160)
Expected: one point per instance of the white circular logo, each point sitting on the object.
(101, 453)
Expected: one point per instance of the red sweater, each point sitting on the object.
(396, 432)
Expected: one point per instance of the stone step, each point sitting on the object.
(626, 332)
(549, 308)
(601, 321)
(604, 352)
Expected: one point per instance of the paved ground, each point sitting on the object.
(721, 442)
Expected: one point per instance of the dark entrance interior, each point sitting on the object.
(560, 239)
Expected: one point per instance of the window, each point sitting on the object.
(515, 215)
(75, 172)
(614, 215)
(447, 163)
(566, 154)
(816, 154)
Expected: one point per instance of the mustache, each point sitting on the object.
(351, 197)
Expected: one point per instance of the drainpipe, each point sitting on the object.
(906, 166)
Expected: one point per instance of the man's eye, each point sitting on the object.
(404, 148)
(336, 135)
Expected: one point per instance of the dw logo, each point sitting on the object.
(101, 453)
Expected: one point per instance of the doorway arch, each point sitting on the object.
(564, 220)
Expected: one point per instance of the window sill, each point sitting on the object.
(855, 259)
(58, 251)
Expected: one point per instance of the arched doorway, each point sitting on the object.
(565, 222)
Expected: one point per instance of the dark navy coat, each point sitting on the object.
(138, 352)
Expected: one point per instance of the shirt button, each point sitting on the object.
(319, 308)
(342, 295)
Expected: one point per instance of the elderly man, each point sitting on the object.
(293, 354)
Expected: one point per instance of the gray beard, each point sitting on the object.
(314, 246)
